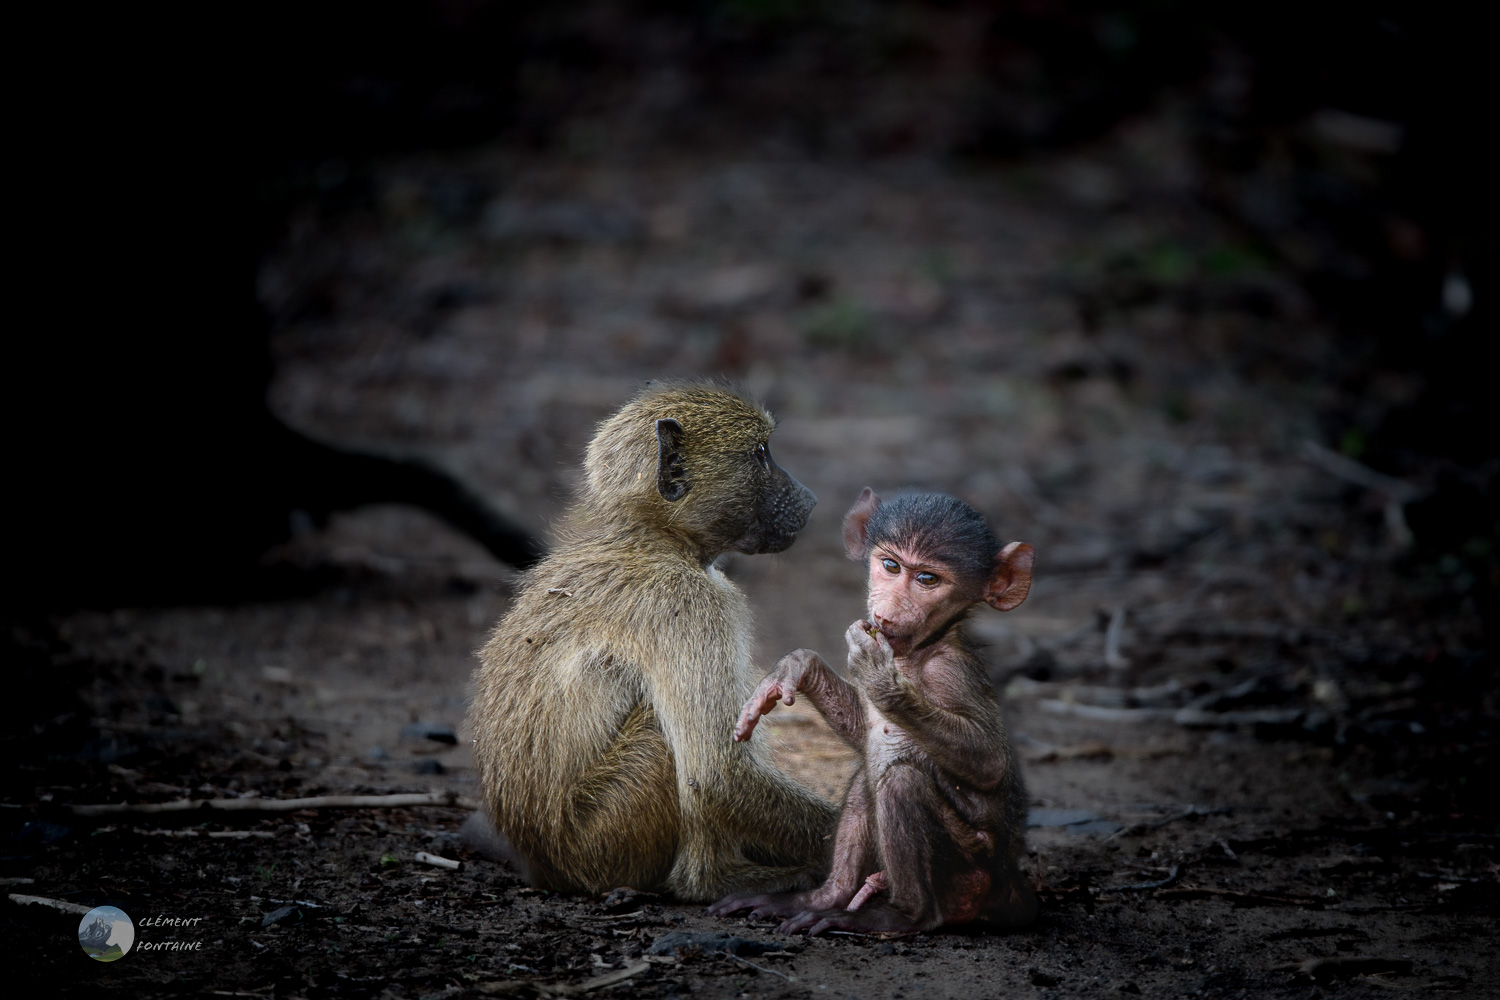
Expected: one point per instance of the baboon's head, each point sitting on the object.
(695, 460)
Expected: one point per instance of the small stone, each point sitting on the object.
(625, 899)
(429, 731)
(279, 915)
(689, 943)
(1040, 978)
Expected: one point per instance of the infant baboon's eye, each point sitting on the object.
(927, 579)
(763, 456)
(891, 565)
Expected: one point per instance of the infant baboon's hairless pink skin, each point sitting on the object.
(932, 826)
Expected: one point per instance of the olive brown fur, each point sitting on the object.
(605, 700)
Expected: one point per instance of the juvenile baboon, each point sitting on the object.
(606, 699)
(934, 820)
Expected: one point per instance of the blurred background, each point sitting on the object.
(1197, 303)
(1071, 260)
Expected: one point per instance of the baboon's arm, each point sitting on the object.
(729, 796)
(803, 672)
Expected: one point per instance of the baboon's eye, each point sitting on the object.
(891, 565)
(763, 456)
(927, 579)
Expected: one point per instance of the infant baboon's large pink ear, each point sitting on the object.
(1010, 579)
(857, 524)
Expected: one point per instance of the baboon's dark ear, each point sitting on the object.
(1010, 576)
(857, 524)
(671, 473)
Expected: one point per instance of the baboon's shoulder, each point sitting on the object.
(614, 598)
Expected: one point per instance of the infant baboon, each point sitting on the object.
(606, 699)
(935, 817)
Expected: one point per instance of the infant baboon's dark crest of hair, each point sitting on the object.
(938, 526)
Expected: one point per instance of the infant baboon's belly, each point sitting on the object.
(886, 745)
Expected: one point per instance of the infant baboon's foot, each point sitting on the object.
(759, 904)
(880, 921)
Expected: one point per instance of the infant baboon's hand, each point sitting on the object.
(870, 653)
(781, 684)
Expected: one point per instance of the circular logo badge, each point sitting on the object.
(106, 933)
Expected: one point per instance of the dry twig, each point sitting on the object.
(1103, 713)
(1144, 886)
(288, 902)
(1093, 750)
(438, 862)
(56, 904)
(1193, 717)
(761, 968)
(1244, 898)
(527, 988)
(1341, 967)
(1397, 493)
(215, 834)
(1113, 658)
(1191, 812)
(1398, 490)
(633, 916)
(279, 805)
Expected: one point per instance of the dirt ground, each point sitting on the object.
(1256, 723)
